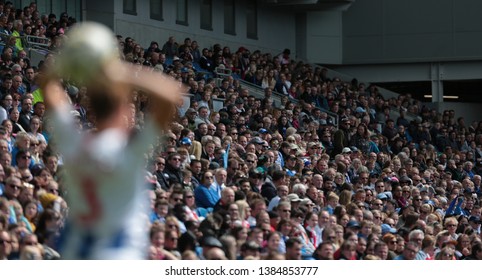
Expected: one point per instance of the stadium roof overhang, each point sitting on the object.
(309, 5)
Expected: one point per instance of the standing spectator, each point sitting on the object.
(342, 136)
(205, 62)
(170, 47)
(361, 139)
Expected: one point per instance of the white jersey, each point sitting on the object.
(108, 205)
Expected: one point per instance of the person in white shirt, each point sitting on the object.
(203, 116)
(108, 205)
(323, 221)
(220, 176)
(283, 191)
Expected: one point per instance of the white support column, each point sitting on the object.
(436, 76)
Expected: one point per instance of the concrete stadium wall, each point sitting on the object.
(276, 29)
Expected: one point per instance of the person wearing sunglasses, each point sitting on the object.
(173, 168)
(5, 244)
(13, 187)
(204, 194)
(157, 168)
(23, 159)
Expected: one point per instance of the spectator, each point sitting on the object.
(205, 195)
(426, 169)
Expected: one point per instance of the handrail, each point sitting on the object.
(28, 41)
(258, 92)
(385, 92)
(36, 42)
(222, 72)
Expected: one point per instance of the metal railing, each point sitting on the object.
(28, 42)
(394, 114)
(258, 92)
(34, 42)
(36, 47)
(222, 72)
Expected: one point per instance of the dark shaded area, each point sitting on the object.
(467, 90)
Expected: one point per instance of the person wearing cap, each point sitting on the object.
(353, 226)
(474, 222)
(263, 132)
(294, 199)
(314, 149)
(185, 142)
(257, 141)
(239, 105)
(208, 243)
(191, 115)
(346, 151)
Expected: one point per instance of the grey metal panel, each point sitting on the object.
(362, 49)
(467, 16)
(417, 46)
(412, 31)
(468, 45)
(417, 17)
(363, 19)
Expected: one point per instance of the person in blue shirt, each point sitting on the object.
(205, 195)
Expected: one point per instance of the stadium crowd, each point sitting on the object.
(256, 179)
